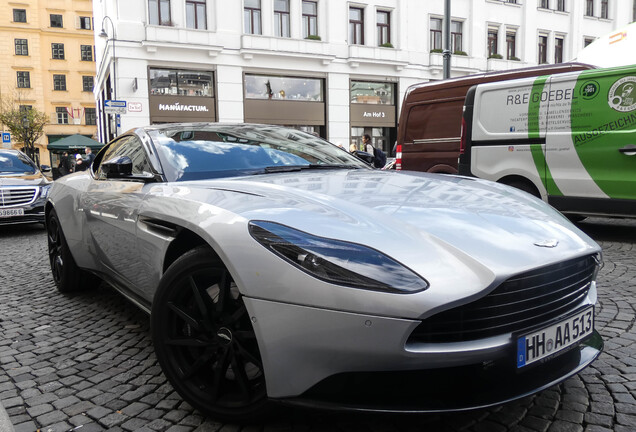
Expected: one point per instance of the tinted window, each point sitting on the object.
(16, 163)
(226, 151)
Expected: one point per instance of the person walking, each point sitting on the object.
(80, 165)
(64, 167)
(90, 157)
(379, 158)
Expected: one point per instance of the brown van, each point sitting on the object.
(430, 121)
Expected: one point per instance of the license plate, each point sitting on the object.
(11, 212)
(550, 340)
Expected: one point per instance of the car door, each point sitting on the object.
(111, 206)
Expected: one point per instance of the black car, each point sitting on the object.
(23, 189)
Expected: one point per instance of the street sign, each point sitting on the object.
(134, 106)
(114, 107)
(6, 137)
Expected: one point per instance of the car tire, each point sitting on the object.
(204, 339)
(67, 275)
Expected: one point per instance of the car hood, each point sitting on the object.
(411, 216)
(14, 179)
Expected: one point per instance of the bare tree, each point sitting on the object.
(25, 124)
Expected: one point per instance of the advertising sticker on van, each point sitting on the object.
(622, 95)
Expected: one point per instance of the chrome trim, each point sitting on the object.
(17, 196)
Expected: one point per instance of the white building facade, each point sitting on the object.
(332, 67)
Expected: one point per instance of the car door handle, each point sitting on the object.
(628, 150)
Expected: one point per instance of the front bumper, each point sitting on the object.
(33, 213)
(343, 360)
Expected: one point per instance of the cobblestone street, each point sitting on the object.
(85, 361)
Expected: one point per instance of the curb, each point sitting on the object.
(5, 423)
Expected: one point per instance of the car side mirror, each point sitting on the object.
(45, 168)
(117, 167)
(364, 156)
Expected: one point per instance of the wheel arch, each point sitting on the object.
(523, 183)
(184, 241)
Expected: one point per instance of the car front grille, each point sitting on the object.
(17, 196)
(520, 303)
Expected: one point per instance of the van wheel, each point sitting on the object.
(523, 185)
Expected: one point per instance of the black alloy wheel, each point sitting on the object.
(204, 339)
(66, 274)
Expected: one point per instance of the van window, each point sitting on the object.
(435, 120)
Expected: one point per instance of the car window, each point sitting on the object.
(16, 163)
(202, 152)
(129, 146)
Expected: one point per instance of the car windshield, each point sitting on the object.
(16, 163)
(214, 151)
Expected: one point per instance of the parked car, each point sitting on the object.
(277, 267)
(23, 188)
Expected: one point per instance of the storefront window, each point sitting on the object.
(181, 83)
(283, 88)
(372, 93)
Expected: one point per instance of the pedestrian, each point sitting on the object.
(80, 165)
(65, 166)
(379, 157)
(90, 157)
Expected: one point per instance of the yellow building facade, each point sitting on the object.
(48, 63)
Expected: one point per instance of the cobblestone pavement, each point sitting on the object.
(85, 362)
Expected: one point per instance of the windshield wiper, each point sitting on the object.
(291, 168)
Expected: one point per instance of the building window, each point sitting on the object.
(588, 41)
(558, 50)
(159, 12)
(24, 80)
(366, 92)
(56, 21)
(195, 14)
(604, 9)
(90, 116)
(310, 18)
(62, 115)
(589, 8)
(181, 82)
(356, 26)
(21, 47)
(543, 49)
(493, 34)
(86, 52)
(560, 5)
(283, 88)
(252, 16)
(19, 15)
(59, 82)
(436, 34)
(281, 18)
(384, 27)
(511, 46)
(57, 51)
(85, 23)
(456, 36)
(25, 108)
(87, 83)
(545, 4)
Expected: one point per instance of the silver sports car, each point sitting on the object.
(277, 267)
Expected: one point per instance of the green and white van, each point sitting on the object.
(568, 138)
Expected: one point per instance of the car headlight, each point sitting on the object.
(335, 261)
(44, 191)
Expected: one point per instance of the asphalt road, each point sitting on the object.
(85, 362)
